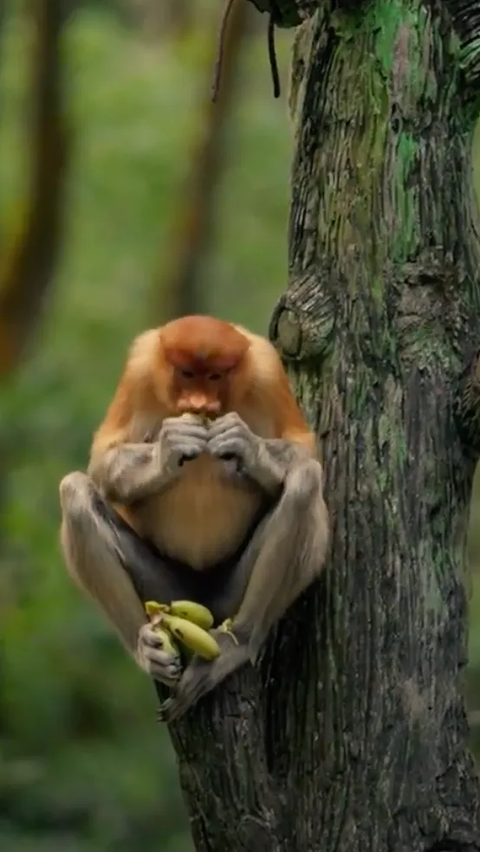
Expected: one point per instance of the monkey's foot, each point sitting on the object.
(158, 655)
(201, 676)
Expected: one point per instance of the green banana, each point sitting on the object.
(188, 622)
(193, 636)
(194, 612)
(153, 608)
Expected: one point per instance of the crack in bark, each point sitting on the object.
(466, 20)
(466, 402)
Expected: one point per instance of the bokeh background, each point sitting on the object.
(83, 765)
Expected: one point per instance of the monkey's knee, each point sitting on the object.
(84, 536)
(75, 492)
(81, 505)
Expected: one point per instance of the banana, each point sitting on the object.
(188, 622)
(193, 636)
(194, 612)
(153, 608)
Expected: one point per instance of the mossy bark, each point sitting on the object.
(352, 735)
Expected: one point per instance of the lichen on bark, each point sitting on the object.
(352, 734)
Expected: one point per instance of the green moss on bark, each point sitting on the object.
(352, 734)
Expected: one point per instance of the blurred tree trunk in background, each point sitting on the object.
(28, 260)
(165, 20)
(193, 231)
(29, 256)
(352, 735)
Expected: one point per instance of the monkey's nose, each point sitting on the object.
(200, 404)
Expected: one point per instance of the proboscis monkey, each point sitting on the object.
(203, 484)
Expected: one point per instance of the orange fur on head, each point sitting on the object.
(204, 357)
(203, 343)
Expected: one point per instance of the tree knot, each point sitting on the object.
(303, 319)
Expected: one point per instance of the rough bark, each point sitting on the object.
(352, 734)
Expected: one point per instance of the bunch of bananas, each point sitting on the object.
(188, 623)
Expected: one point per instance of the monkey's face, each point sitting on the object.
(203, 392)
(201, 368)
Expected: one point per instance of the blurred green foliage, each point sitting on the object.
(83, 765)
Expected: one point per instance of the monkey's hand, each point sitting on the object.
(126, 473)
(159, 662)
(229, 437)
(201, 676)
(181, 439)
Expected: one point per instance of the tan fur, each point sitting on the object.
(198, 514)
(202, 517)
(180, 521)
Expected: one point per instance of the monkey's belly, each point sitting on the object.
(201, 519)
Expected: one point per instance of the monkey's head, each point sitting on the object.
(204, 359)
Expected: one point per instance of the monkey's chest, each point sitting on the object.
(203, 517)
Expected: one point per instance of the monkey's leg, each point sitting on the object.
(224, 600)
(285, 555)
(110, 563)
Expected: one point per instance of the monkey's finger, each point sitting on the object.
(175, 429)
(196, 434)
(201, 677)
(234, 431)
(162, 658)
(174, 708)
(195, 683)
(224, 424)
(188, 450)
(148, 636)
(228, 446)
(165, 677)
(162, 665)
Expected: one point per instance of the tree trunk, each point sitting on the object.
(352, 734)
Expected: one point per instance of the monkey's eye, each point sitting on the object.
(187, 374)
(215, 377)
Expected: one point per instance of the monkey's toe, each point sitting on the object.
(169, 675)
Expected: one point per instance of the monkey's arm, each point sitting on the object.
(285, 555)
(128, 472)
(265, 461)
(117, 570)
